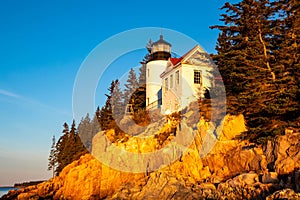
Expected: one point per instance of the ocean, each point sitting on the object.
(4, 190)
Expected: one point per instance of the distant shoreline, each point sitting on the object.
(23, 185)
(26, 184)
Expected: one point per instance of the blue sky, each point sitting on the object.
(43, 44)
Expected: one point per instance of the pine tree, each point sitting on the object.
(95, 128)
(88, 128)
(63, 157)
(106, 116)
(131, 86)
(69, 147)
(75, 146)
(142, 75)
(117, 101)
(98, 114)
(85, 131)
(52, 157)
(140, 93)
(247, 61)
(71, 144)
(287, 54)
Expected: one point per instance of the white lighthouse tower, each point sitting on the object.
(160, 52)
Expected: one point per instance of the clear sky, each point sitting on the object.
(42, 46)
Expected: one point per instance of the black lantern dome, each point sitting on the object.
(159, 50)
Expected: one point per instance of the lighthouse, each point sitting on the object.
(159, 53)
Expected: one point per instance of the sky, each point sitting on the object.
(43, 44)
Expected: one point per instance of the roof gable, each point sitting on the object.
(196, 56)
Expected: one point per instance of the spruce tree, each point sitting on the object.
(142, 75)
(75, 146)
(246, 57)
(98, 114)
(287, 54)
(95, 128)
(52, 157)
(88, 128)
(140, 93)
(118, 108)
(131, 86)
(63, 157)
(69, 147)
(85, 131)
(106, 116)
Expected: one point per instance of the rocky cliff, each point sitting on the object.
(211, 162)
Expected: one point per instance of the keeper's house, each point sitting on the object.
(172, 83)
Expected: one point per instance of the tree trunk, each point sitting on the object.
(265, 54)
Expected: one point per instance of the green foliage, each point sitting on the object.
(113, 110)
(142, 75)
(140, 93)
(67, 149)
(87, 129)
(130, 87)
(117, 101)
(258, 58)
(106, 113)
(52, 157)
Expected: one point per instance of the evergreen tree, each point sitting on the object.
(140, 93)
(98, 114)
(95, 128)
(286, 51)
(131, 86)
(52, 157)
(106, 117)
(247, 61)
(69, 147)
(75, 146)
(88, 128)
(85, 131)
(142, 75)
(117, 101)
(63, 158)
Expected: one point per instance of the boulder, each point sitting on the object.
(270, 177)
(231, 127)
(236, 161)
(246, 179)
(287, 153)
(284, 194)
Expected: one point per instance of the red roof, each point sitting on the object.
(219, 78)
(174, 61)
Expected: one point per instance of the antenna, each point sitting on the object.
(161, 31)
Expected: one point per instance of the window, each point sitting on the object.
(148, 72)
(171, 81)
(166, 84)
(197, 77)
(177, 78)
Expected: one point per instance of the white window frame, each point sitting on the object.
(166, 84)
(171, 81)
(197, 77)
(177, 77)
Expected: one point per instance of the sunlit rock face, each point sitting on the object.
(183, 169)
